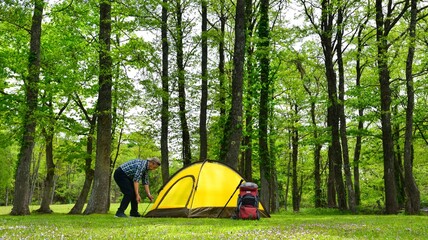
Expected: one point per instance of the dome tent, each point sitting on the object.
(202, 189)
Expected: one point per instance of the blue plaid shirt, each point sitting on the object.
(137, 169)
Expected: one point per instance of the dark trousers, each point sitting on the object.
(126, 185)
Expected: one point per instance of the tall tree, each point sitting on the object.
(221, 60)
(233, 132)
(49, 132)
(341, 106)
(263, 50)
(22, 181)
(334, 151)
(89, 172)
(359, 68)
(185, 135)
(313, 95)
(99, 201)
(222, 76)
(413, 200)
(250, 100)
(384, 26)
(204, 85)
(326, 29)
(165, 93)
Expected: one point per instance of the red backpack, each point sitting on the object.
(248, 202)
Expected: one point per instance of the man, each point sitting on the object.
(127, 177)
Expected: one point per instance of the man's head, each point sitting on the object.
(154, 163)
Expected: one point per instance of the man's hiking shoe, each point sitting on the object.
(135, 215)
(121, 215)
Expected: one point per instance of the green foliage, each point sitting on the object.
(68, 187)
(8, 153)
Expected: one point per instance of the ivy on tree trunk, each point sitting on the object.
(263, 48)
(22, 181)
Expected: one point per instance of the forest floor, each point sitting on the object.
(308, 224)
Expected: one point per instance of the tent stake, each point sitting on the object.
(237, 187)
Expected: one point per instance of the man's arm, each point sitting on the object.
(147, 189)
(137, 193)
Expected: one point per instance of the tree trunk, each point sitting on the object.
(185, 135)
(48, 132)
(342, 117)
(274, 173)
(317, 160)
(413, 200)
(317, 176)
(274, 185)
(81, 200)
(89, 172)
(100, 195)
(221, 62)
(50, 172)
(246, 165)
(334, 153)
(331, 190)
(204, 86)
(287, 184)
(398, 160)
(35, 173)
(232, 137)
(317, 145)
(165, 94)
(356, 162)
(295, 157)
(385, 94)
(22, 180)
(266, 163)
(247, 160)
(222, 81)
(357, 150)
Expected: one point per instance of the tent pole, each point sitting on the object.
(230, 198)
(144, 213)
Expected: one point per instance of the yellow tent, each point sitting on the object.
(202, 189)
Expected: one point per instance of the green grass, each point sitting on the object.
(328, 224)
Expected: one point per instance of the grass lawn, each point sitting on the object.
(324, 224)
